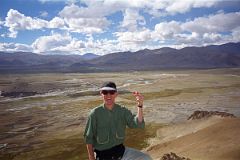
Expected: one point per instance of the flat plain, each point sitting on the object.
(49, 123)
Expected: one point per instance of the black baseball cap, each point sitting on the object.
(109, 86)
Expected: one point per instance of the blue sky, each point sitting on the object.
(107, 26)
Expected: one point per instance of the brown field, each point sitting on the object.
(49, 125)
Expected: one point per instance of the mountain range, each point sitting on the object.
(214, 56)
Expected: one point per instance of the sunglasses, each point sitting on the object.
(104, 92)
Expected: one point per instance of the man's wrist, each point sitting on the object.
(91, 158)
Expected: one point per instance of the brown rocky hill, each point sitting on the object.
(211, 138)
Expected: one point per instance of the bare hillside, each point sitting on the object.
(207, 139)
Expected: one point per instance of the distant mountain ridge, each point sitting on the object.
(214, 56)
(221, 56)
(19, 62)
(89, 56)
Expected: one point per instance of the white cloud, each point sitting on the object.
(43, 13)
(16, 21)
(236, 34)
(103, 46)
(220, 22)
(87, 20)
(65, 44)
(57, 43)
(132, 19)
(87, 25)
(56, 22)
(94, 9)
(133, 41)
(183, 6)
(14, 47)
(166, 30)
(50, 43)
(93, 18)
(211, 37)
(170, 7)
(211, 29)
(134, 37)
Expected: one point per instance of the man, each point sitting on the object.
(105, 130)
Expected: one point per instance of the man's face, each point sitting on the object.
(108, 97)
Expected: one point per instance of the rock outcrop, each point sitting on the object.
(173, 156)
(206, 114)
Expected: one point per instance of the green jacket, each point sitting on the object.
(106, 128)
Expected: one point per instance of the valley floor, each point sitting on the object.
(49, 124)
